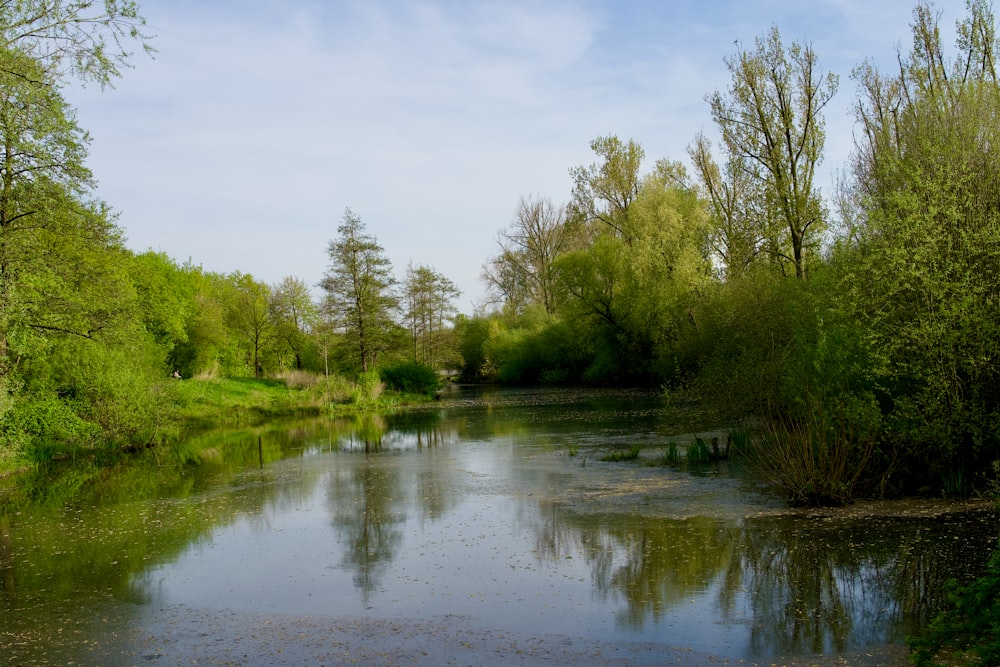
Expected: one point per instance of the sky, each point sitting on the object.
(240, 144)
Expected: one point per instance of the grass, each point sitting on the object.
(698, 453)
(630, 454)
(248, 400)
(671, 457)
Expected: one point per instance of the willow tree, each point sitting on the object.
(359, 286)
(772, 116)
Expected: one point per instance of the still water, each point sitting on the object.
(491, 510)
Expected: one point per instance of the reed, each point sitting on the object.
(814, 460)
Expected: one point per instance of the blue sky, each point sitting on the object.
(241, 143)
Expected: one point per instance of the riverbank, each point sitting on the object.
(227, 401)
(198, 404)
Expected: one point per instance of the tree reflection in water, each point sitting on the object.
(805, 583)
(366, 508)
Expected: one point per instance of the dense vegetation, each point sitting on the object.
(856, 335)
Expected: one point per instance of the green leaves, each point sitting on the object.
(771, 116)
(359, 295)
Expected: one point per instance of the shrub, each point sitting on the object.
(817, 459)
(971, 628)
(367, 388)
(43, 426)
(411, 377)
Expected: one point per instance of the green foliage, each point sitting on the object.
(698, 453)
(359, 295)
(618, 456)
(40, 426)
(121, 389)
(923, 276)
(533, 348)
(368, 387)
(472, 334)
(671, 457)
(970, 630)
(411, 377)
(85, 39)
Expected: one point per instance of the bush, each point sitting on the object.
(820, 458)
(411, 377)
(367, 389)
(971, 628)
(43, 426)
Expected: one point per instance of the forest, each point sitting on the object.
(856, 336)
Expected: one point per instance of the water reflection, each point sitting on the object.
(434, 512)
(368, 513)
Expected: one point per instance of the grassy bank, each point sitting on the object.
(206, 402)
(180, 405)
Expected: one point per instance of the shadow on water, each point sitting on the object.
(435, 512)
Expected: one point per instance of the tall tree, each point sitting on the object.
(43, 182)
(524, 272)
(429, 309)
(772, 115)
(603, 191)
(739, 229)
(359, 284)
(924, 277)
(248, 315)
(294, 314)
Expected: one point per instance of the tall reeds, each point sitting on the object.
(817, 458)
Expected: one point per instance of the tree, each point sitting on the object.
(524, 272)
(923, 273)
(84, 38)
(772, 116)
(740, 226)
(428, 304)
(603, 192)
(248, 315)
(293, 313)
(359, 290)
(634, 291)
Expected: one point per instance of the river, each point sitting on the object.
(484, 529)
